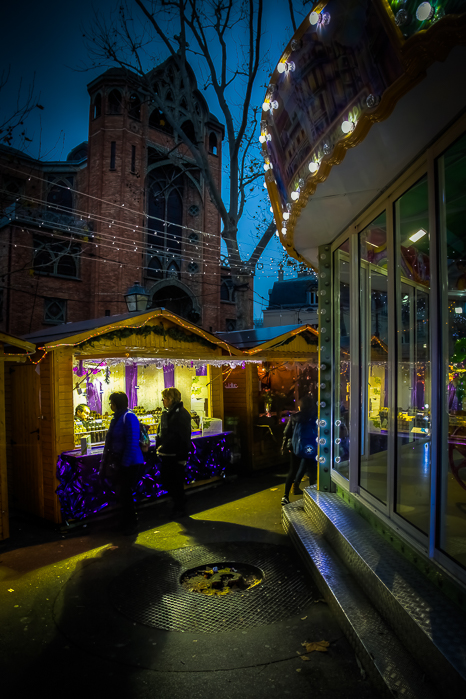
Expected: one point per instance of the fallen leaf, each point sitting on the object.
(321, 646)
(303, 617)
(10, 590)
(298, 669)
(305, 657)
(273, 488)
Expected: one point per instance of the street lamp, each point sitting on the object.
(136, 298)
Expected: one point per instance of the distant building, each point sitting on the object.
(292, 302)
(128, 205)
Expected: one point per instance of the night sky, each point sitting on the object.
(45, 39)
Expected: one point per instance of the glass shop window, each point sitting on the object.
(375, 365)
(451, 171)
(342, 360)
(413, 363)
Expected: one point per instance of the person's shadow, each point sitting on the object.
(96, 648)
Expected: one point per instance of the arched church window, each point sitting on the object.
(173, 271)
(60, 197)
(154, 269)
(134, 106)
(213, 143)
(97, 106)
(174, 220)
(114, 102)
(165, 215)
(188, 128)
(158, 120)
(227, 290)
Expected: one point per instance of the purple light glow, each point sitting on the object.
(82, 491)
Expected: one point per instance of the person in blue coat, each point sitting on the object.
(123, 455)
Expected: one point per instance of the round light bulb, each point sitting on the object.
(271, 210)
(286, 215)
(314, 18)
(266, 106)
(424, 11)
(261, 139)
(266, 166)
(277, 233)
(284, 230)
(295, 195)
(281, 67)
(347, 126)
(313, 167)
(265, 185)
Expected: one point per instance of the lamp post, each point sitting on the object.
(136, 298)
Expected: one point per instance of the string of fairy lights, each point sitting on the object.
(232, 359)
(197, 253)
(122, 226)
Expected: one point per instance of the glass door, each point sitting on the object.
(375, 367)
(413, 364)
(451, 170)
(342, 360)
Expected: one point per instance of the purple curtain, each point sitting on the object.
(169, 376)
(131, 383)
(79, 370)
(94, 396)
(202, 370)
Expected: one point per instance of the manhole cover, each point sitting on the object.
(221, 578)
(151, 592)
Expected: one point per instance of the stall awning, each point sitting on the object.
(295, 342)
(13, 348)
(90, 333)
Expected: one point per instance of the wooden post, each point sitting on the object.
(4, 519)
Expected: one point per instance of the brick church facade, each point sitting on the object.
(127, 205)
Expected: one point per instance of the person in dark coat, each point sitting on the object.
(173, 447)
(298, 466)
(123, 453)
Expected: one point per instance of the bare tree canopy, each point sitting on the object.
(12, 124)
(222, 40)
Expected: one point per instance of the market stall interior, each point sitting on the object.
(281, 366)
(77, 367)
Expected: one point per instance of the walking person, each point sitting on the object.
(122, 458)
(299, 440)
(173, 447)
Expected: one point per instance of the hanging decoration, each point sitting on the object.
(169, 376)
(131, 379)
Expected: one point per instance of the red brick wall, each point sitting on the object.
(113, 258)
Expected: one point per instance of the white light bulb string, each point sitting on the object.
(87, 214)
(144, 247)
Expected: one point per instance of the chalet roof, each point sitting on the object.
(76, 333)
(246, 339)
(12, 343)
